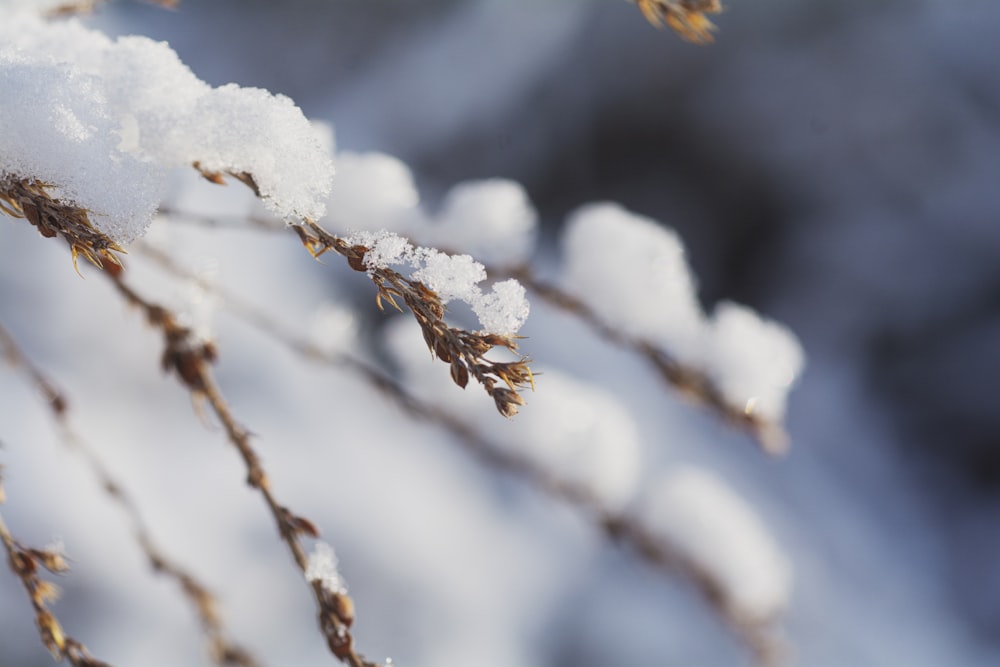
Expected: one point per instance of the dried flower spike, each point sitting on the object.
(686, 17)
(29, 199)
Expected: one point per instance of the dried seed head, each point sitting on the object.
(343, 608)
(46, 591)
(686, 17)
(215, 177)
(442, 352)
(341, 644)
(52, 634)
(507, 401)
(304, 526)
(51, 559)
(356, 260)
(459, 373)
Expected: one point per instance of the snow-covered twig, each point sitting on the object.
(691, 381)
(463, 350)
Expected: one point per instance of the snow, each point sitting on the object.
(66, 138)
(502, 310)
(322, 567)
(372, 191)
(703, 520)
(451, 276)
(333, 328)
(492, 220)
(102, 121)
(632, 272)
(753, 361)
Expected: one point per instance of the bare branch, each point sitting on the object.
(26, 563)
(189, 360)
(224, 652)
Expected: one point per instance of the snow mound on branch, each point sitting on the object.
(632, 273)
(101, 121)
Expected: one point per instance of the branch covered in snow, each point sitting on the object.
(95, 130)
(580, 447)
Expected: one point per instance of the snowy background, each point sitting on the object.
(831, 164)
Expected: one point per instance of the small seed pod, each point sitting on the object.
(343, 608)
(357, 260)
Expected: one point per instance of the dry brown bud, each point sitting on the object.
(52, 634)
(442, 352)
(459, 373)
(215, 177)
(428, 334)
(357, 260)
(507, 401)
(46, 591)
(343, 608)
(303, 525)
(51, 560)
(341, 644)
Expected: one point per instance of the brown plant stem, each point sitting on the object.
(223, 651)
(690, 382)
(25, 563)
(757, 636)
(464, 350)
(190, 361)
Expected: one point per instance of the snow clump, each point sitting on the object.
(101, 121)
(503, 310)
(633, 274)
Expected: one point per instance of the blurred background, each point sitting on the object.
(833, 164)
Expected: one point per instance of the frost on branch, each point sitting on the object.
(501, 311)
(99, 122)
(322, 567)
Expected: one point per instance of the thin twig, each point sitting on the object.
(25, 563)
(689, 381)
(222, 650)
(463, 350)
(758, 637)
(190, 361)
(686, 17)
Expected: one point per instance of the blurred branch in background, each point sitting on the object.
(189, 359)
(758, 630)
(690, 380)
(26, 563)
(686, 17)
(223, 651)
